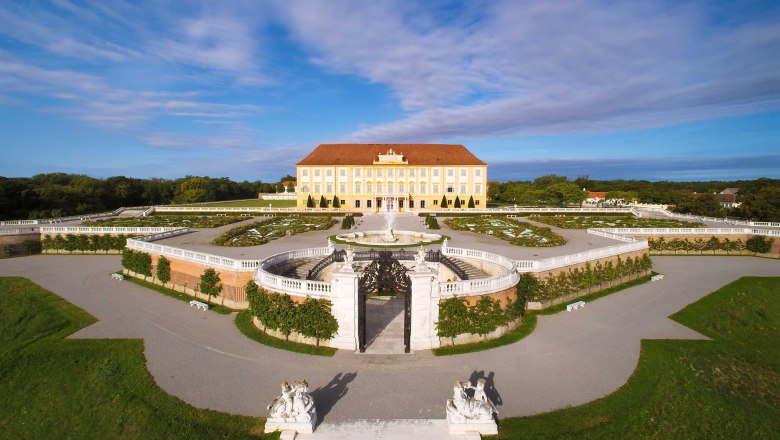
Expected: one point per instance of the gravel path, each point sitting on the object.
(201, 357)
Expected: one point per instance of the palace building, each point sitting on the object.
(392, 177)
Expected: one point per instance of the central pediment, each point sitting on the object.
(391, 157)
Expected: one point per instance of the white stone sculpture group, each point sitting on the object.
(467, 413)
(293, 409)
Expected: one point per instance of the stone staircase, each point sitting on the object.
(472, 271)
(296, 268)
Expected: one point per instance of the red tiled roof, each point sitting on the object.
(601, 195)
(415, 154)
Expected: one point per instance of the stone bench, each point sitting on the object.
(199, 304)
(575, 305)
(658, 277)
(117, 276)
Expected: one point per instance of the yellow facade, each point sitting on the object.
(392, 183)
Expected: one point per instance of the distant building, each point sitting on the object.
(727, 198)
(595, 197)
(392, 177)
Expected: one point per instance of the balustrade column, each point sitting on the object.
(425, 309)
(344, 290)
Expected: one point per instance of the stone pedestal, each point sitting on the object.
(272, 425)
(425, 309)
(344, 287)
(489, 427)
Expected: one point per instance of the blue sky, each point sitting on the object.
(653, 90)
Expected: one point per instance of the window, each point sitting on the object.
(368, 203)
(343, 188)
(329, 173)
(400, 187)
(379, 187)
(423, 172)
(449, 202)
(450, 172)
(357, 203)
(317, 172)
(435, 172)
(305, 188)
(305, 172)
(343, 202)
(368, 188)
(329, 188)
(476, 202)
(390, 188)
(422, 188)
(411, 187)
(342, 172)
(378, 172)
(357, 172)
(462, 172)
(450, 189)
(368, 174)
(357, 188)
(400, 172)
(478, 188)
(463, 188)
(317, 188)
(389, 172)
(422, 203)
(478, 172)
(435, 189)
(411, 204)
(435, 203)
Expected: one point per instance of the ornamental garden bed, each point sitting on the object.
(267, 230)
(171, 221)
(616, 221)
(515, 232)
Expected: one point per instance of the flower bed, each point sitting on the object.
(515, 232)
(265, 231)
(174, 221)
(612, 221)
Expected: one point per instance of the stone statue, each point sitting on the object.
(444, 246)
(349, 257)
(419, 260)
(293, 409)
(331, 248)
(466, 413)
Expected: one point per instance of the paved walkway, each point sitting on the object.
(201, 357)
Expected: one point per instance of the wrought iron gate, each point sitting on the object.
(384, 273)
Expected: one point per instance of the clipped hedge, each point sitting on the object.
(136, 261)
(84, 243)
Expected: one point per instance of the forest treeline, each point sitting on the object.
(59, 194)
(760, 198)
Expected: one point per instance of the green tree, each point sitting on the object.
(759, 245)
(163, 270)
(443, 202)
(453, 318)
(323, 202)
(336, 202)
(314, 319)
(471, 202)
(456, 205)
(210, 283)
(309, 202)
(762, 205)
(31, 246)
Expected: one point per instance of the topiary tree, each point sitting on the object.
(336, 202)
(309, 202)
(314, 319)
(209, 283)
(759, 244)
(163, 270)
(457, 202)
(443, 202)
(471, 202)
(323, 202)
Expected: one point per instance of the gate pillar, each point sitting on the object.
(425, 309)
(344, 288)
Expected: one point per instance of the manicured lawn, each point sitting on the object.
(267, 230)
(51, 387)
(248, 328)
(171, 221)
(515, 232)
(251, 204)
(727, 388)
(611, 221)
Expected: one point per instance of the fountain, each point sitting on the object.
(388, 236)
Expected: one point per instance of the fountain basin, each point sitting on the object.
(380, 238)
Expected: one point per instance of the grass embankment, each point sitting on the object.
(529, 322)
(250, 204)
(245, 326)
(51, 387)
(727, 388)
(223, 310)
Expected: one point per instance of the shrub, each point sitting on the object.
(163, 270)
(759, 244)
(210, 283)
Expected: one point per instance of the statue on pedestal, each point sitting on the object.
(349, 257)
(444, 246)
(419, 260)
(465, 413)
(293, 409)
